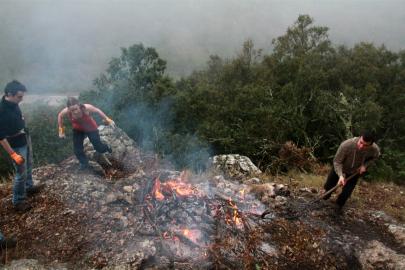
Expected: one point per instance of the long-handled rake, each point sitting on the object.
(330, 190)
(308, 205)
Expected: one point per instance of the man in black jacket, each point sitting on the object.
(15, 140)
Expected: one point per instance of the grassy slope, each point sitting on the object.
(387, 197)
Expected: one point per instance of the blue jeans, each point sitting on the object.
(94, 137)
(1, 236)
(23, 175)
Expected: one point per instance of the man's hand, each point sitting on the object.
(61, 132)
(362, 169)
(109, 122)
(342, 180)
(19, 160)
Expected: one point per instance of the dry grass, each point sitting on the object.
(376, 196)
(297, 179)
(387, 197)
(4, 179)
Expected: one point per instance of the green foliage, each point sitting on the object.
(42, 122)
(140, 98)
(306, 91)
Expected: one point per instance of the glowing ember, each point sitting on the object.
(193, 234)
(156, 190)
(235, 218)
(242, 193)
(181, 189)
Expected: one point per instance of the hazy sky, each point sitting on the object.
(62, 45)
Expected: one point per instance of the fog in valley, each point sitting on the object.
(61, 46)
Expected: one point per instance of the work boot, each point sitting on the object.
(22, 207)
(109, 150)
(34, 189)
(339, 210)
(84, 167)
(7, 243)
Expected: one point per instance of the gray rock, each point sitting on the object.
(235, 165)
(252, 181)
(31, 264)
(124, 150)
(399, 233)
(378, 256)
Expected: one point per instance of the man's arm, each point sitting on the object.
(61, 114)
(16, 157)
(370, 161)
(94, 109)
(4, 143)
(338, 160)
(6, 146)
(61, 128)
(338, 163)
(3, 136)
(105, 118)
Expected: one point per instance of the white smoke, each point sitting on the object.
(61, 46)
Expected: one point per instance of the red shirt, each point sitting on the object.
(86, 123)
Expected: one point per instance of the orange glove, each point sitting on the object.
(61, 132)
(17, 158)
(109, 122)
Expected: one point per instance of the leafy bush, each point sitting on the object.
(306, 91)
(42, 122)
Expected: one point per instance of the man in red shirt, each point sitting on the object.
(83, 126)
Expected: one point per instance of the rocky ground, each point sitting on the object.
(113, 219)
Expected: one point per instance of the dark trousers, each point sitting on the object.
(347, 190)
(94, 137)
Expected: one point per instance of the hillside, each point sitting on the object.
(149, 216)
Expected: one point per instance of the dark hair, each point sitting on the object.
(72, 101)
(13, 87)
(368, 136)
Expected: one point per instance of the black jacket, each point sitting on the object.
(12, 123)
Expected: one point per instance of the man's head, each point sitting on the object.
(14, 91)
(366, 140)
(74, 107)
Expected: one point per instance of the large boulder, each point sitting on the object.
(399, 233)
(125, 153)
(377, 256)
(235, 165)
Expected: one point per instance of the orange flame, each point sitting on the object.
(242, 193)
(236, 218)
(194, 234)
(181, 189)
(156, 190)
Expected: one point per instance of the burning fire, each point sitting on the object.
(156, 190)
(193, 234)
(242, 194)
(177, 186)
(166, 195)
(235, 217)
